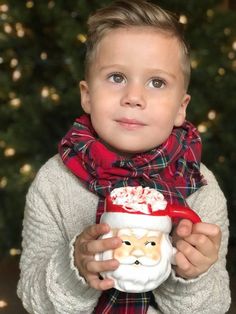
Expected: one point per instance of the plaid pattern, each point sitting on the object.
(172, 168)
(117, 302)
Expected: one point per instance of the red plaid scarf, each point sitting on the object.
(172, 168)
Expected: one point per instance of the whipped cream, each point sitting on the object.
(145, 200)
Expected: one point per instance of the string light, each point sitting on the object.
(43, 56)
(202, 128)
(221, 71)
(194, 64)
(183, 19)
(16, 75)
(221, 159)
(4, 8)
(3, 304)
(231, 55)
(3, 16)
(29, 4)
(82, 38)
(26, 169)
(19, 26)
(45, 92)
(234, 45)
(9, 152)
(15, 102)
(3, 182)
(20, 33)
(14, 252)
(211, 115)
(210, 13)
(51, 4)
(20, 30)
(50, 92)
(227, 31)
(55, 97)
(14, 62)
(7, 28)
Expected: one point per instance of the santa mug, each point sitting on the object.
(143, 219)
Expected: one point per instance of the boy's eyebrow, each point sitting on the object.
(165, 73)
(107, 67)
(151, 70)
(157, 71)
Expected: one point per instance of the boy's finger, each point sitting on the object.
(184, 228)
(94, 231)
(101, 285)
(209, 230)
(203, 244)
(183, 266)
(101, 245)
(102, 266)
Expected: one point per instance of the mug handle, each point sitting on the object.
(182, 212)
(177, 212)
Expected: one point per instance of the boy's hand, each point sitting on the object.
(197, 247)
(87, 245)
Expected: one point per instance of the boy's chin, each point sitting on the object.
(128, 152)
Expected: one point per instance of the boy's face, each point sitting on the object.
(135, 92)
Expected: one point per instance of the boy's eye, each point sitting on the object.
(157, 83)
(117, 78)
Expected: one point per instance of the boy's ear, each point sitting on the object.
(181, 114)
(85, 98)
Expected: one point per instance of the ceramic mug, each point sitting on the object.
(146, 253)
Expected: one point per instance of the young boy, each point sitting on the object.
(134, 133)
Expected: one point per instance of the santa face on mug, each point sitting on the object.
(144, 259)
(138, 247)
(142, 218)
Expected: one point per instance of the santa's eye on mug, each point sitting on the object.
(126, 242)
(152, 243)
(146, 243)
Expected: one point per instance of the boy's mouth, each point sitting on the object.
(130, 123)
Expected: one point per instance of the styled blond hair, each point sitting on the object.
(131, 13)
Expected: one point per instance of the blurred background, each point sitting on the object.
(42, 45)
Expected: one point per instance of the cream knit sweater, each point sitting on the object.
(58, 208)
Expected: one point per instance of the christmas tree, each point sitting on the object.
(42, 46)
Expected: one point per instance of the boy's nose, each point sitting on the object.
(133, 97)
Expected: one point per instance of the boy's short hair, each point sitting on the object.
(131, 13)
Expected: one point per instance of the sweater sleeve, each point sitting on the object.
(49, 282)
(209, 293)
